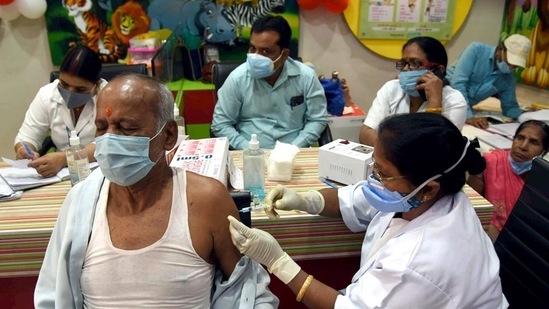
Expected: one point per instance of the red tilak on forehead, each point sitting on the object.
(108, 110)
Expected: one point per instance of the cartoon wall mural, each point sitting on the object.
(107, 26)
(530, 18)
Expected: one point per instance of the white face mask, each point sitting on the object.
(260, 66)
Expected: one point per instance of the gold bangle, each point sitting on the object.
(433, 110)
(304, 288)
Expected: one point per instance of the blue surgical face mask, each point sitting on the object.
(75, 99)
(391, 201)
(260, 66)
(503, 67)
(124, 160)
(520, 167)
(408, 81)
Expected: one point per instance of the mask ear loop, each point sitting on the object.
(150, 140)
(413, 193)
(273, 61)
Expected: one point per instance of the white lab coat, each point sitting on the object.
(391, 100)
(441, 259)
(48, 111)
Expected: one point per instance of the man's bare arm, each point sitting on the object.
(209, 206)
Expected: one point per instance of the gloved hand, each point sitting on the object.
(263, 247)
(281, 197)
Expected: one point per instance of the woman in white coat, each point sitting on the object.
(424, 246)
(59, 107)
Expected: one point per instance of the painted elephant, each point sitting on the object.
(197, 19)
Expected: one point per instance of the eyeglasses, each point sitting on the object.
(413, 64)
(372, 169)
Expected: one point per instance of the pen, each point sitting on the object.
(27, 148)
(329, 183)
(249, 208)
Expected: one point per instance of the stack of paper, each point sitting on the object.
(20, 177)
(496, 140)
(507, 129)
(26, 178)
(207, 157)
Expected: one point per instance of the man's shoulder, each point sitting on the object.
(297, 68)
(203, 185)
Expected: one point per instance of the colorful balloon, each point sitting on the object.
(32, 8)
(306, 4)
(9, 12)
(336, 6)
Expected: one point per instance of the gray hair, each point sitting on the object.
(165, 108)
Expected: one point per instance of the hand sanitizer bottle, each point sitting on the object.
(77, 160)
(254, 170)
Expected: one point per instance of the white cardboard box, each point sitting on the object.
(207, 157)
(347, 126)
(344, 161)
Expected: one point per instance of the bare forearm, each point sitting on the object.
(477, 183)
(331, 203)
(318, 295)
(367, 135)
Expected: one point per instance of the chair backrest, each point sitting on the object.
(243, 199)
(523, 244)
(109, 71)
(221, 71)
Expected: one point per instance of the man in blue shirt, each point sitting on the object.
(270, 95)
(483, 71)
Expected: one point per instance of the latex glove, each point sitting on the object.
(263, 247)
(281, 197)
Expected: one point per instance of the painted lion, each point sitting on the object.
(129, 20)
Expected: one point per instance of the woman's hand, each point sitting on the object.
(479, 122)
(263, 247)
(432, 85)
(49, 164)
(283, 198)
(23, 153)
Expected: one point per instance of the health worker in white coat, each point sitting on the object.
(424, 246)
(64, 105)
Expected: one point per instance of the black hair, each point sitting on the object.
(543, 128)
(275, 23)
(422, 145)
(83, 62)
(433, 49)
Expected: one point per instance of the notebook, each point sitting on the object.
(21, 177)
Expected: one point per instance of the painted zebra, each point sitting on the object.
(244, 14)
